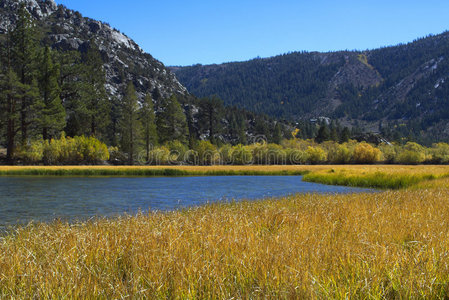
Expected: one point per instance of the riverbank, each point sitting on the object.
(392, 244)
(367, 176)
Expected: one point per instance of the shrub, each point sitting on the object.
(275, 155)
(296, 156)
(440, 153)
(225, 153)
(259, 151)
(77, 150)
(411, 154)
(32, 154)
(316, 155)
(241, 155)
(364, 153)
(388, 153)
(207, 153)
(177, 150)
(117, 157)
(341, 154)
(160, 156)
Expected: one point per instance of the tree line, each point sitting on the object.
(46, 94)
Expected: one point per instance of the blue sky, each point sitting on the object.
(186, 32)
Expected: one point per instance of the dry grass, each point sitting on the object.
(434, 169)
(393, 244)
(371, 176)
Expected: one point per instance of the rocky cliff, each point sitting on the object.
(124, 60)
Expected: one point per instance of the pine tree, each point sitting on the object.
(129, 123)
(24, 54)
(261, 127)
(51, 112)
(157, 97)
(210, 114)
(171, 121)
(96, 108)
(277, 133)
(148, 121)
(113, 129)
(12, 92)
(70, 71)
(242, 132)
(345, 135)
(323, 134)
(191, 126)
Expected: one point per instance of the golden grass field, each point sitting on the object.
(418, 169)
(391, 244)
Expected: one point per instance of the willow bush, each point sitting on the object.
(65, 150)
(88, 150)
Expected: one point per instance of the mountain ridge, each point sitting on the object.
(394, 85)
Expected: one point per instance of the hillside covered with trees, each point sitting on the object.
(48, 93)
(62, 102)
(400, 91)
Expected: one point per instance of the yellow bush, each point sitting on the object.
(316, 155)
(242, 155)
(364, 153)
(440, 153)
(207, 153)
(411, 154)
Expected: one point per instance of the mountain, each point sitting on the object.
(403, 87)
(79, 47)
(124, 60)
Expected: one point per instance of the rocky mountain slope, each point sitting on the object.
(124, 60)
(406, 85)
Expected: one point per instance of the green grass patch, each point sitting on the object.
(145, 172)
(93, 172)
(369, 180)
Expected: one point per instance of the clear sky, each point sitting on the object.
(186, 32)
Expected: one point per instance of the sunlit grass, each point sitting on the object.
(373, 176)
(391, 244)
(153, 170)
(396, 178)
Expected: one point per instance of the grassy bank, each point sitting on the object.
(370, 180)
(392, 244)
(149, 171)
(371, 176)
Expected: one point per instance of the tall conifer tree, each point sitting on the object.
(171, 121)
(130, 123)
(51, 112)
(96, 105)
(148, 121)
(24, 56)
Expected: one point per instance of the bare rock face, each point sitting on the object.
(124, 60)
(356, 71)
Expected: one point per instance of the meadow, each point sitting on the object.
(391, 244)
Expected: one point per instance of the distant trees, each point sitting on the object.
(47, 94)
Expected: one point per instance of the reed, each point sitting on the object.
(372, 176)
(370, 180)
(145, 171)
(392, 244)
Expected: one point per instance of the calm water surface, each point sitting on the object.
(23, 199)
